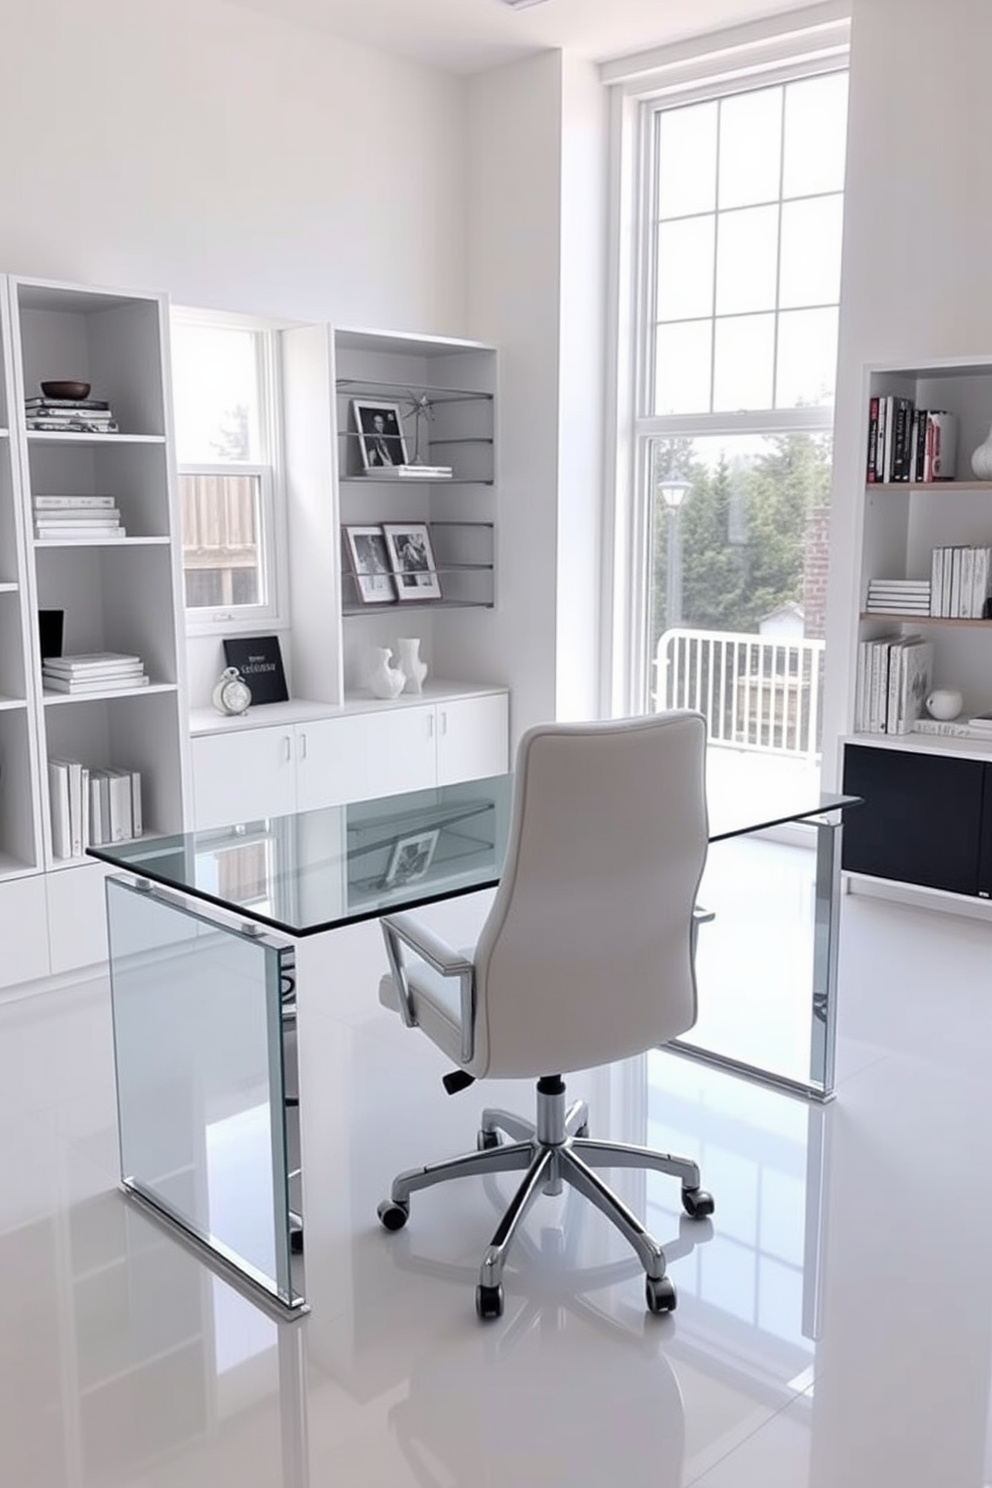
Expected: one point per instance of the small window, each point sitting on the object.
(227, 440)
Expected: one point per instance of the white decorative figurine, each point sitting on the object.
(232, 693)
(944, 703)
(385, 681)
(414, 669)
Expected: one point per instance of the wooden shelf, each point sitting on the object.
(901, 618)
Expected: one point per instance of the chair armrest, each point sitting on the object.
(404, 930)
(445, 960)
(700, 916)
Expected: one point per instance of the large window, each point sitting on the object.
(227, 442)
(735, 304)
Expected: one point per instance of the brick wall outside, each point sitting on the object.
(815, 572)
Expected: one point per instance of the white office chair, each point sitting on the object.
(586, 957)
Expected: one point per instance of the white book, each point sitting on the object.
(70, 503)
(137, 822)
(85, 659)
(97, 827)
(93, 684)
(58, 792)
(120, 805)
(74, 774)
(53, 667)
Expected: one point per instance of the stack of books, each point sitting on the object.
(961, 582)
(423, 472)
(91, 807)
(76, 518)
(894, 679)
(978, 726)
(70, 415)
(906, 443)
(99, 671)
(898, 596)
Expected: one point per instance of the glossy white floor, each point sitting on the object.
(834, 1325)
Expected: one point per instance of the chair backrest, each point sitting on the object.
(586, 954)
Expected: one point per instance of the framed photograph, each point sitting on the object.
(380, 434)
(412, 559)
(410, 859)
(370, 564)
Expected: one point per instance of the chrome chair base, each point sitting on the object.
(555, 1150)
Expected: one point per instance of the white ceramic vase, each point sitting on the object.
(385, 681)
(981, 460)
(414, 669)
(944, 703)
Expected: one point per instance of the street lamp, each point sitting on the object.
(674, 489)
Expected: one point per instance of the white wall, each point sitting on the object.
(917, 245)
(536, 290)
(232, 160)
(514, 237)
(916, 284)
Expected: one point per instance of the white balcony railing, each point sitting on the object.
(757, 692)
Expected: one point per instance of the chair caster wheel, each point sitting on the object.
(489, 1302)
(660, 1296)
(393, 1215)
(296, 1242)
(583, 1130)
(486, 1140)
(697, 1203)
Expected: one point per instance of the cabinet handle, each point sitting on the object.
(444, 723)
(287, 748)
(430, 725)
(303, 746)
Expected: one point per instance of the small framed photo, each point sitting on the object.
(380, 434)
(412, 558)
(410, 859)
(370, 564)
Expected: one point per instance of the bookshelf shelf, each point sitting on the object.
(901, 617)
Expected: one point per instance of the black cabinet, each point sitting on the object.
(926, 819)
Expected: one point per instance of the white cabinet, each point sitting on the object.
(244, 771)
(472, 738)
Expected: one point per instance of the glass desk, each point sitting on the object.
(202, 928)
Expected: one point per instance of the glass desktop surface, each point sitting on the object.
(318, 870)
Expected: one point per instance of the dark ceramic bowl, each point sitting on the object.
(66, 389)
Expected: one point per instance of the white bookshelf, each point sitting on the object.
(927, 819)
(117, 593)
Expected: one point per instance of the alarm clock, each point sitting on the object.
(232, 693)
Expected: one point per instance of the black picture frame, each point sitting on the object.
(380, 434)
(259, 660)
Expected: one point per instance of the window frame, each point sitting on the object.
(269, 470)
(752, 58)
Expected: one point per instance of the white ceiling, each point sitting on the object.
(469, 35)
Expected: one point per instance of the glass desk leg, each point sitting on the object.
(767, 966)
(203, 1068)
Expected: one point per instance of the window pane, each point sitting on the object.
(685, 268)
(807, 358)
(750, 148)
(683, 353)
(222, 550)
(815, 135)
(749, 542)
(687, 160)
(747, 258)
(742, 371)
(811, 234)
(215, 381)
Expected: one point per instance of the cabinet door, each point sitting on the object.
(400, 750)
(921, 818)
(242, 776)
(472, 738)
(332, 764)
